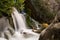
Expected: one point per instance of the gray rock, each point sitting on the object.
(4, 23)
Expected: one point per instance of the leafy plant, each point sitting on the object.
(6, 7)
(19, 4)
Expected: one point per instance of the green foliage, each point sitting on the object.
(29, 21)
(28, 11)
(19, 4)
(6, 7)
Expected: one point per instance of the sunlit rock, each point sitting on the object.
(51, 33)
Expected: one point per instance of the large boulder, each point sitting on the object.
(51, 33)
(42, 10)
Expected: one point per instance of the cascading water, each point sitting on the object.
(36, 23)
(21, 32)
(19, 20)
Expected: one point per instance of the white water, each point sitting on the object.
(36, 23)
(22, 33)
(3, 39)
(18, 20)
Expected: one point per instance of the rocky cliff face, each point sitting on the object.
(43, 10)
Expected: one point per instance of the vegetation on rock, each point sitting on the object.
(19, 5)
(6, 7)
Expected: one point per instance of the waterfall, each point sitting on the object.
(21, 31)
(19, 20)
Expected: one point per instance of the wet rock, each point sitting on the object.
(4, 24)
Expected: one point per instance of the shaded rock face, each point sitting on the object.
(58, 16)
(51, 33)
(42, 10)
(3, 24)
